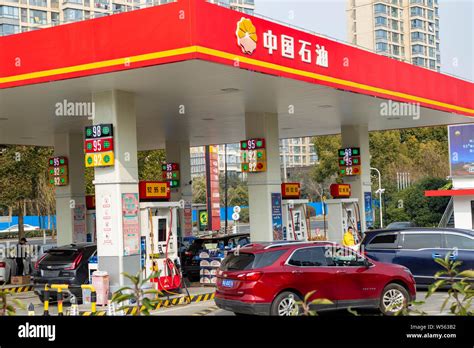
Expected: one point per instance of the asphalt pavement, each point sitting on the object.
(209, 308)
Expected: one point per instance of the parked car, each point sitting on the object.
(400, 225)
(190, 257)
(66, 264)
(417, 249)
(14, 228)
(7, 269)
(269, 278)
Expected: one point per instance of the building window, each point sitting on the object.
(417, 36)
(71, 15)
(9, 29)
(42, 3)
(381, 47)
(38, 17)
(380, 8)
(418, 49)
(419, 61)
(417, 24)
(379, 20)
(9, 12)
(416, 11)
(381, 34)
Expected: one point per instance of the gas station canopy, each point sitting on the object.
(196, 68)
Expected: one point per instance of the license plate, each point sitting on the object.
(227, 283)
(46, 273)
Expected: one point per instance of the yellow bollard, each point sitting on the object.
(46, 300)
(93, 296)
(59, 288)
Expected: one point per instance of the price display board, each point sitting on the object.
(253, 156)
(349, 161)
(99, 146)
(340, 190)
(291, 190)
(154, 190)
(58, 174)
(170, 173)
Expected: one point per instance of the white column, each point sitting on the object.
(179, 152)
(117, 108)
(358, 136)
(262, 185)
(73, 195)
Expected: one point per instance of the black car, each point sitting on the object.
(66, 264)
(190, 258)
(418, 248)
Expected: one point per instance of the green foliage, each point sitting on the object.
(306, 304)
(7, 308)
(199, 190)
(423, 211)
(137, 294)
(149, 164)
(326, 148)
(460, 293)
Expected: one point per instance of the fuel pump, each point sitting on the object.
(159, 229)
(294, 219)
(343, 213)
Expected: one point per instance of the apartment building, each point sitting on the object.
(25, 15)
(407, 30)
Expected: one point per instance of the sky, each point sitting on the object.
(328, 17)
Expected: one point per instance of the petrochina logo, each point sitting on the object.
(246, 35)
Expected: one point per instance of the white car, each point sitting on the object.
(14, 228)
(7, 269)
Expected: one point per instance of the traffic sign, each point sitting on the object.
(235, 216)
(237, 209)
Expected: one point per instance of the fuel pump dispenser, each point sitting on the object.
(343, 213)
(159, 230)
(294, 219)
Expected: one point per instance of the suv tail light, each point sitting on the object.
(2, 264)
(75, 263)
(39, 261)
(251, 276)
(188, 253)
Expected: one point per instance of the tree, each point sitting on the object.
(199, 190)
(423, 211)
(22, 171)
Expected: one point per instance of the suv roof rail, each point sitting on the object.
(285, 243)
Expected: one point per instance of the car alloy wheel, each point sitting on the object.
(393, 300)
(288, 306)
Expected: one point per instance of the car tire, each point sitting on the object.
(394, 299)
(285, 305)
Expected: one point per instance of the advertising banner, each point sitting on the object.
(277, 218)
(461, 150)
(130, 224)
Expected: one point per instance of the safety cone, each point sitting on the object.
(31, 309)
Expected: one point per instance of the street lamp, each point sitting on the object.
(379, 191)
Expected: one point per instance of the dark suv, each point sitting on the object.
(64, 265)
(417, 249)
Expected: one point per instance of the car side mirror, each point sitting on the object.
(367, 263)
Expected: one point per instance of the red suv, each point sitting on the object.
(270, 278)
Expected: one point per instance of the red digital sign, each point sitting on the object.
(99, 145)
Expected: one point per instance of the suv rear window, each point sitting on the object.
(247, 261)
(385, 241)
(61, 255)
